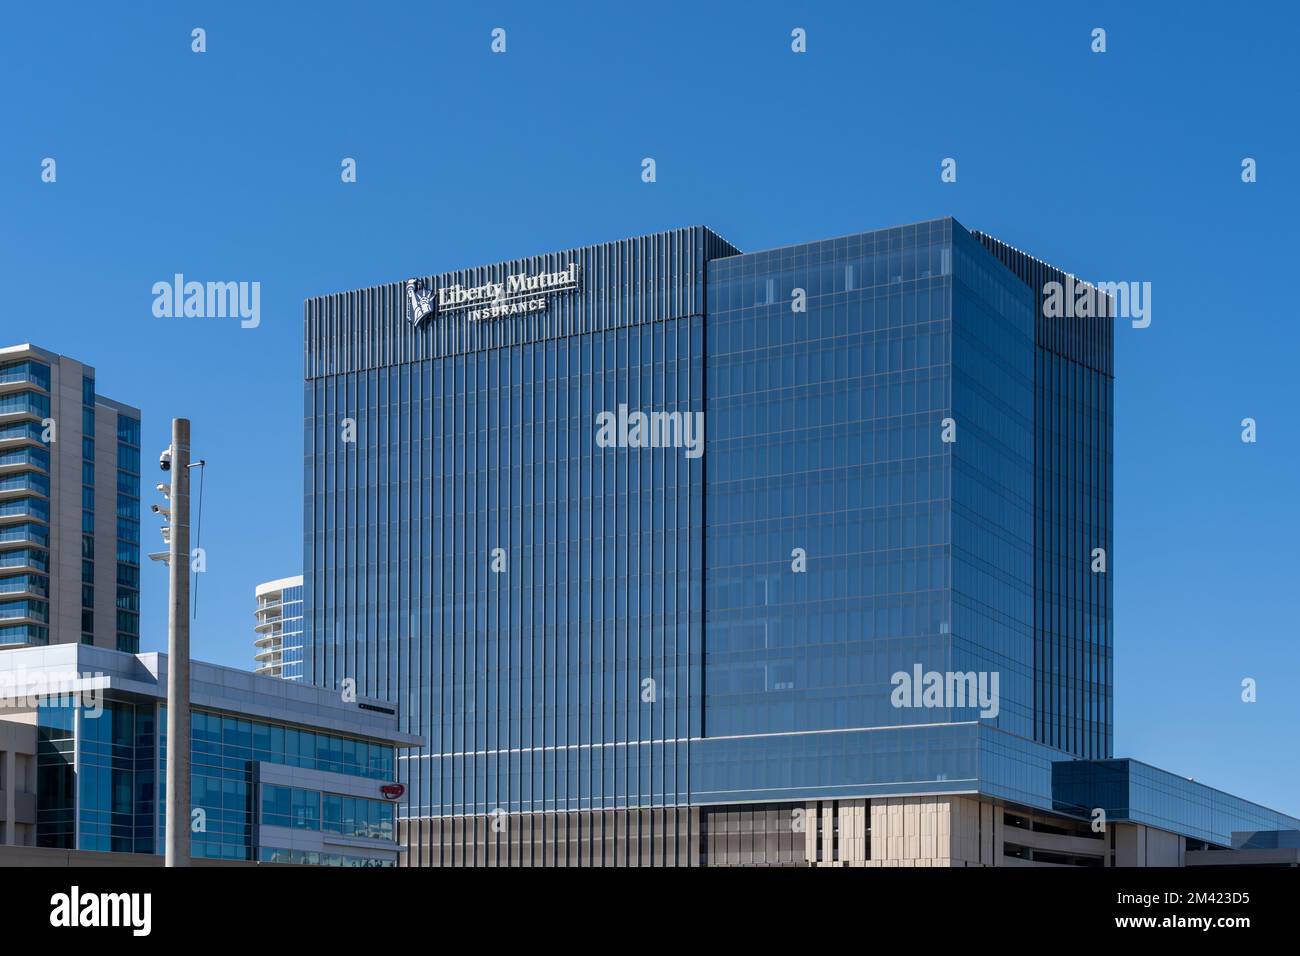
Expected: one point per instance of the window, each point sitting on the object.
(128, 458)
(35, 373)
(31, 403)
(291, 807)
(128, 430)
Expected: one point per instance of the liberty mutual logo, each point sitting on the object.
(419, 301)
(521, 293)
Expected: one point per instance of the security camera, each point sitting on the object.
(165, 459)
(159, 510)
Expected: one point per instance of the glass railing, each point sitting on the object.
(29, 403)
(36, 610)
(26, 533)
(25, 558)
(26, 482)
(26, 508)
(25, 583)
(32, 431)
(24, 634)
(36, 457)
(32, 373)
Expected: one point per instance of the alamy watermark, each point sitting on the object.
(75, 909)
(24, 689)
(209, 300)
(1075, 298)
(947, 689)
(626, 429)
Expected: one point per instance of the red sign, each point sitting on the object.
(393, 791)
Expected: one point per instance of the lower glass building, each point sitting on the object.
(280, 772)
(678, 555)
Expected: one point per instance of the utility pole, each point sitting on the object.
(178, 651)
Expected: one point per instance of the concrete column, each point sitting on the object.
(810, 832)
(853, 831)
(8, 787)
(178, 652)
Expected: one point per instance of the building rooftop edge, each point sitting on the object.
(1192, 780)
(279, 584)
(85, 668)
(537, 255)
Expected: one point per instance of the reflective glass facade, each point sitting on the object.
(56, 777)
(1137, 792)
(226, 749)
(1073, 478)
(101, 773)
(824, 441)
(291, 635)
(907, 472)
(531, 600)
(127, 617)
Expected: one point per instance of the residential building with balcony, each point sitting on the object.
(278, 645)
(69, 506)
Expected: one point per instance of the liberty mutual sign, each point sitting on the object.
(519, 294)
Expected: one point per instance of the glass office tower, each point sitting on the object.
(534, 599)
(642, 537)
(1074, 424)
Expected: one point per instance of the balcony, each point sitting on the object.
(14, 434)
(267, 624)
(24, 611)
(26, 373)
(14, 535)
(24, 585)
(23, 403)
(24, 635)
(268, 639)
(12, 460)
(269, 656)
(25, 483)
(21, 509)
(25, 559)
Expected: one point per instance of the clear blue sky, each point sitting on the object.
(1118, 166)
